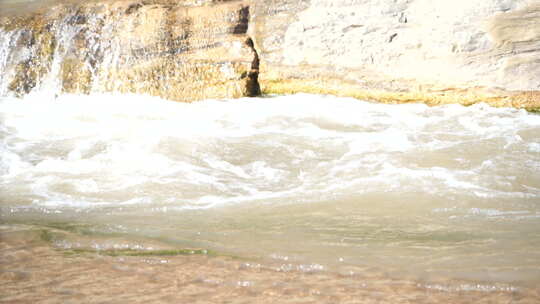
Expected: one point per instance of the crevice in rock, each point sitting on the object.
(253, 87)
(133, 8)
(242, 22)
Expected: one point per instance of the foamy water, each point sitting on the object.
(304, 182)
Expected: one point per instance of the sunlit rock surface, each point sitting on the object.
(179, 50)
(437, 52)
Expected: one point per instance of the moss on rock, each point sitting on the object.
(144, 253)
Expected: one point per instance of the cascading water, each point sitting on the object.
(181, 52)
(32, 59)
(353, 193)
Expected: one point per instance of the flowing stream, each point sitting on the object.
(279, 199)
(302, 182)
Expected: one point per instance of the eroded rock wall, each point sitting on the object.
(462, 51)
(179, 50)
(437, 52)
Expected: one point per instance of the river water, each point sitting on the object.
(294, 184)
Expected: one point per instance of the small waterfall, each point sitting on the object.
(176, 51)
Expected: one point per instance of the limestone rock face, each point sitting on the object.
(437, 52)
(179, 50)
(460, 51)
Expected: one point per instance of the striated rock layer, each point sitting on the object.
(462, 51)
(437, 52)
(179, 50)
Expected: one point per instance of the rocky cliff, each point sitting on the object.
(437, 52)
(461, 51)
(179, 50)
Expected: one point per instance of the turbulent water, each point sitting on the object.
(305, 182)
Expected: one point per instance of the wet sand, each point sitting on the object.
(34, 271)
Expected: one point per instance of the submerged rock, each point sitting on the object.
(464, 51)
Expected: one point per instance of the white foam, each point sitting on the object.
(94, 150)
(534, 147)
